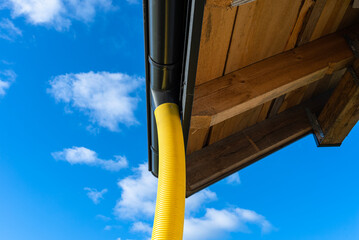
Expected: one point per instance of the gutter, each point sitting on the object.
(172, 35)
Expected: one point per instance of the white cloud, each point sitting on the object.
(138, 198)
(86, 10)
(76, 155)
(141, 227)
(8, 30)
(57, 13)
(137, 203)
(217, 223)
(7, 77)
(95, 195)
(103, 217)
(196, 201)
(107, 98)
(138, 195)
(250, 216)
(234, 179)
(37, 11)
(82, 155)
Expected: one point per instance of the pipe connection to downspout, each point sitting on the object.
(166, 40)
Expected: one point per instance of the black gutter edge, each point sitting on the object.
(193, 37)
(148, 107)
(148, 94)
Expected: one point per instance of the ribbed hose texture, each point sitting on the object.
(171, 191)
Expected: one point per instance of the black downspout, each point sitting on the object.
(165, 42)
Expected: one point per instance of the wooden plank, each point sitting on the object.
(240, 37)
(341, 112)
(331, 18)
(325, 18)
(310, 90)
(322, 85)
(264, 111)
(228, 127)
(302, 16)
(219, 3)
(222, 158)
(312, 22)
(261, 30)
(233, 125)
(350, 17)
(237, 92)
(216, 34)
(197, 138)
(293, 98)
(277, 103)
(336, 76)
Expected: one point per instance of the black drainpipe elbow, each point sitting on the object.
(165, 36)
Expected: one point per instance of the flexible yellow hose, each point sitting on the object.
(171, 191)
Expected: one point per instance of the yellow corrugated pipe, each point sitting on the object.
(171, 191)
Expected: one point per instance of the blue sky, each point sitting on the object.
(73, 142)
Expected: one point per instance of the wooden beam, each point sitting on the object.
(249, 87)
(216, 161)
(341, 112)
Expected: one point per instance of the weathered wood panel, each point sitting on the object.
(312, 21)
(331, 17)
(216, 34)
(302, 17)
(325, 18)
(261, 30)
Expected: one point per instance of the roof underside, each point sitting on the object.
(259, 65)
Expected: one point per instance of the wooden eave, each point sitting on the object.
(262, 67)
